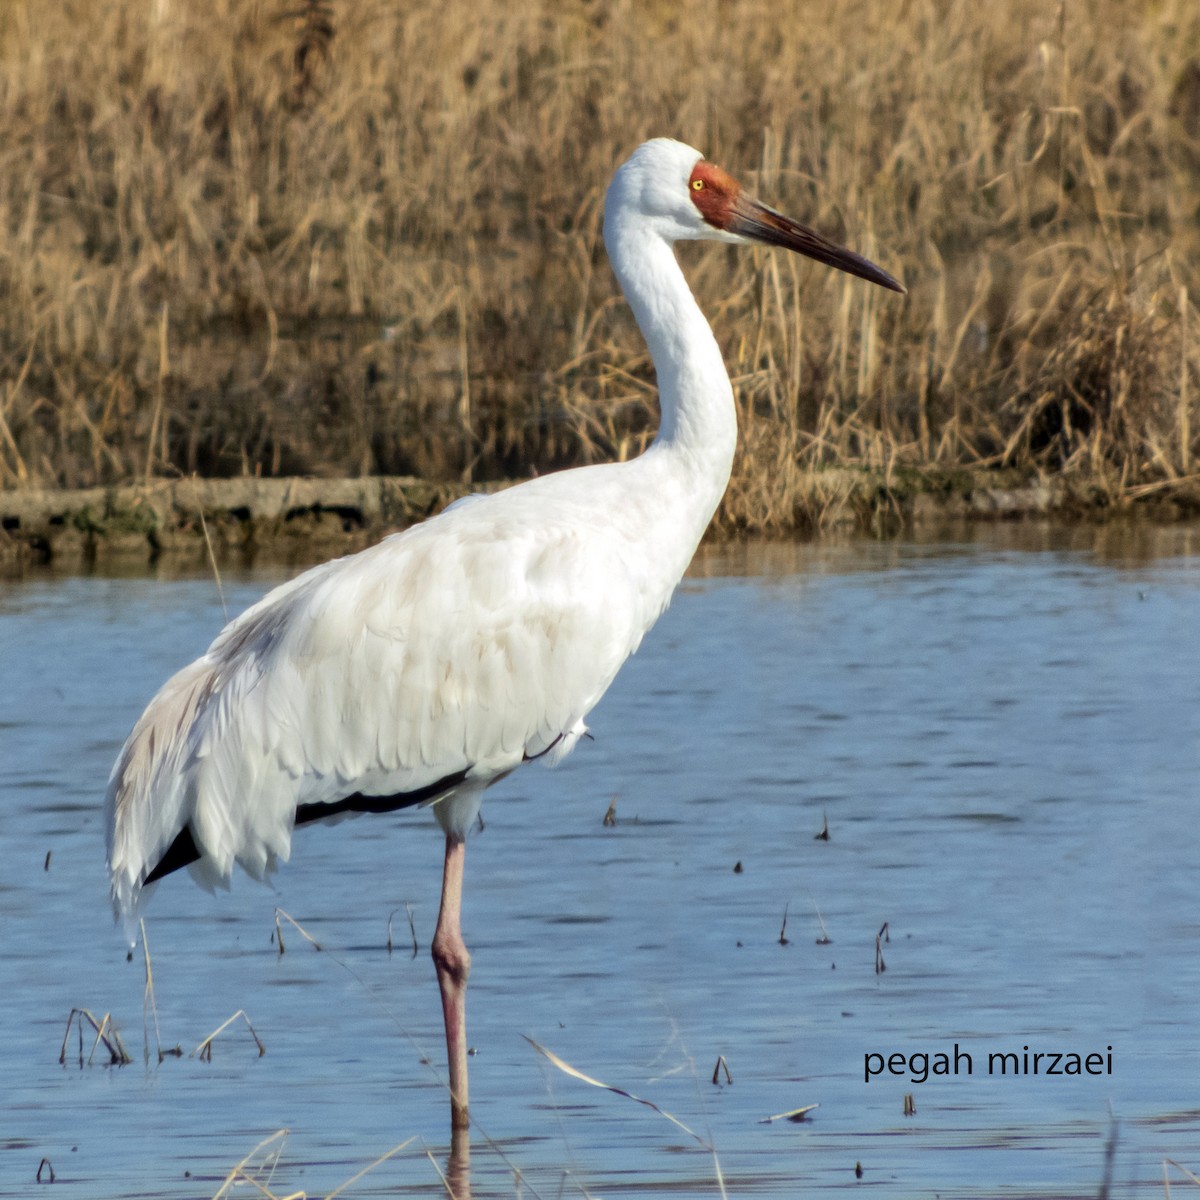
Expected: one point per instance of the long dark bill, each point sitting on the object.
(763, 224)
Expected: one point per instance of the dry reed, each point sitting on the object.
(338, 239)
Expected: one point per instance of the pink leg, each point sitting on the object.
(453, 965)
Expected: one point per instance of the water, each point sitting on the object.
(1002, 730)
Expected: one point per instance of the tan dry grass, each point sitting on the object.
(255, 236)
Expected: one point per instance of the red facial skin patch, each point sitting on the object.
(714, 193)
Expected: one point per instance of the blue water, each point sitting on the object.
(1002, 730)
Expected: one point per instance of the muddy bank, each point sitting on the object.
(305, 519)
(227, 518)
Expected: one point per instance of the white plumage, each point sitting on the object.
(444, 657)
(471, 642)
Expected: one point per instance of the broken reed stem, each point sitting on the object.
(149, 1003)
(238, 1173)
(795, 1115)
(412, 929)
(106, 1033)
(243, 1172)
(204, 1050)
(1170, 1162)
(371, 1166)
(824, 939)
(721, 1065)
(575, 1073)
(105, 1022)
(884, 935)
(308, 937)
(441, 1175)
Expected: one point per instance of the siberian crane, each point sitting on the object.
(430, 666)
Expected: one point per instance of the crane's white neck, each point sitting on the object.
(698, 430)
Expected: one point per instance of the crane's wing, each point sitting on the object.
(449, 653)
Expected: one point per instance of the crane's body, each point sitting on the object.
(461, 647)
(435, 663)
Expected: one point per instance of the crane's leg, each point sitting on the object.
(453, 965)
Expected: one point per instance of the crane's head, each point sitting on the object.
(673, 188)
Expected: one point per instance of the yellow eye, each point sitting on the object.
(697, 185)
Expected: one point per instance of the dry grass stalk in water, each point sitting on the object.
(337, 1191)
(575, 1073)
(106, 1033)
(1189, 1175)
(244, 1173)
(204, 1050)
(412, 928)
(308, 937)
(149, 1003)
(796, 1115)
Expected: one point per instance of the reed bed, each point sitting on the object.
(258, 237)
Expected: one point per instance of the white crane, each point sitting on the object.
(426, 668)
